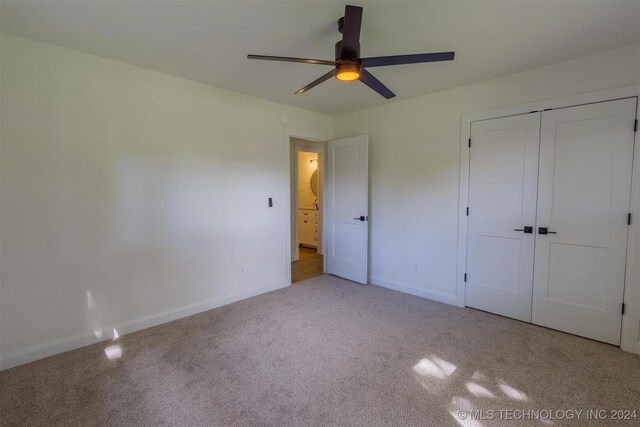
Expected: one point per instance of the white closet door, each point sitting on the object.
(502, 199)
(584, 193)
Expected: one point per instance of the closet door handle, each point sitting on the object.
(527, 229)
(545, 231)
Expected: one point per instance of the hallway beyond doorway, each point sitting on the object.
(309, 265)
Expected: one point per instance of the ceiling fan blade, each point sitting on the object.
(381, 61)
(375, 84)
(316, 82)
(288, 59)
(351, 32)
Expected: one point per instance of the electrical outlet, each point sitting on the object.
(415, 267)
(242, 268)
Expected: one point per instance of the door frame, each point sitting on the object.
(289, 215)
(630, 334)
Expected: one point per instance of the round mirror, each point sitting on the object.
(314, 182)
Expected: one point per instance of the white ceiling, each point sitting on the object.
(208, 40)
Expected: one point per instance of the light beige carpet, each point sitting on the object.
(326, 352)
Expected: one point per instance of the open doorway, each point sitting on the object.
(306, 202)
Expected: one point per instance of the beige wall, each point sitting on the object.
(131, 197)
(414, 148)
(306, 198)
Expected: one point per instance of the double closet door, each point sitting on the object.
(549, 201)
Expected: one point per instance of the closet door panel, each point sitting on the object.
(502, 199)
(584, 198)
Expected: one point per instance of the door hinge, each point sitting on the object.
(467, 210)
(465, 277)
(635, 126)
(623, 307)
(469, 142)
(629, 219)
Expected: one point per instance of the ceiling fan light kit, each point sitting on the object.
(347, 72)
(349, 66)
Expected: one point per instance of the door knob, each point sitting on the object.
(545, 230)
(527, 229)
(362, 218)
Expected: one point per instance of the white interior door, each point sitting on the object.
(502, 202)
(584, 199)
(347, 193)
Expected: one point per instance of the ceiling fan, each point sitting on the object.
(348, 64)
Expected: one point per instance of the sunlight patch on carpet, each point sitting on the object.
(434, 367)
(113, 352)
(512, 392)
(459, 408)
(479, 391)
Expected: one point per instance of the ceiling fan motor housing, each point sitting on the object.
(347, 56)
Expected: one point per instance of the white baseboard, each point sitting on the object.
(408, 289)
(51, 348)
(630, 346)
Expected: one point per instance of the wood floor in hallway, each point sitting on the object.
(309, 265)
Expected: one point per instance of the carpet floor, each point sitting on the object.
(328, 352)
